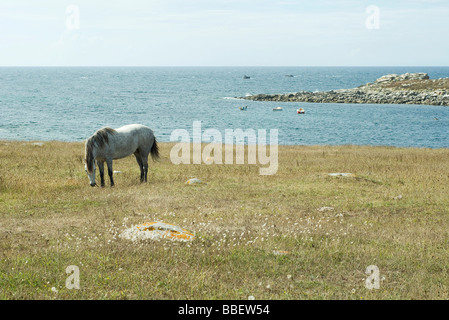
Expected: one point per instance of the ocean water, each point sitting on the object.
(70, 103)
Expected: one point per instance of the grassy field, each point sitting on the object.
(298, 234)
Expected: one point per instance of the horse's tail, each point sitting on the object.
(155, 150)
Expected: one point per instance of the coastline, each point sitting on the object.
(170, 144)
(409, 88)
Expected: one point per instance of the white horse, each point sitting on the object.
(108, 144)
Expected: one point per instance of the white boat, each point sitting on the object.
(277, 109)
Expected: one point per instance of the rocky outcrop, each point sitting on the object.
(401, 77)
(409, 88)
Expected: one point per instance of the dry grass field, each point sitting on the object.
(298, 234)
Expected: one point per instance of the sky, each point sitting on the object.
(224, 33)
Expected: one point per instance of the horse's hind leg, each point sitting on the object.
(110, 172)
(142, 159)
(139, 161)
(145, 166)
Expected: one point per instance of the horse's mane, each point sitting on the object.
(99, 138)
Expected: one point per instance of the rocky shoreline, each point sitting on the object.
(409, 88)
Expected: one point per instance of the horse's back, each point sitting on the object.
(129, 128)
(136, 135)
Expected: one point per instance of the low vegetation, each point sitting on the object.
(423, 84)
(298, 234)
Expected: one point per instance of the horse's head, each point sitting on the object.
(89, 160)
(91, 173)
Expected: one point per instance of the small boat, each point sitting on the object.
(246, 77)
(300, 110)
(277, 109)
(244, 108)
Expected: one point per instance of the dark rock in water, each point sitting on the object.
(408, 88)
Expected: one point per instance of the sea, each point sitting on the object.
(71, 103)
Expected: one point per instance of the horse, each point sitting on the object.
(108, 144)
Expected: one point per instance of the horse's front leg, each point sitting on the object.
(101, 168)
(110, 172)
